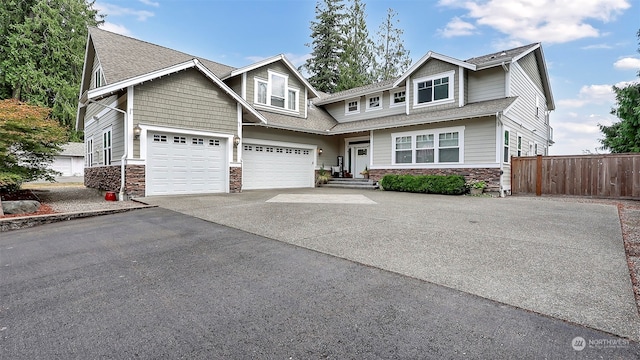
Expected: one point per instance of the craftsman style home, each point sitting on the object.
(158, 121)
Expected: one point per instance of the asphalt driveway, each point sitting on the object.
(154, 283)
(562, 258)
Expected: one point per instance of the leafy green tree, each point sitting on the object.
(356, 61)
(392, 59)
(29, 140)
(42, 52)
(327, 44)
(624, 135)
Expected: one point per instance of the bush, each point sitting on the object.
(428, 184)
(9, 182)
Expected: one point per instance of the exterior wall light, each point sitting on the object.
(136, 132)
(319, 151)
(236, 141)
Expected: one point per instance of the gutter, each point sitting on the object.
(123, 159)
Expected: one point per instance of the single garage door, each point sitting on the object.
(185, 164)
(276, 167)
(62, 164)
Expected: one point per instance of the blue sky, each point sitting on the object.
(589, 45)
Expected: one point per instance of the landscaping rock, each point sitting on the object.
(20, 206)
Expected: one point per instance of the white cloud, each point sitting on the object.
(457, 27)
(115, 10)
(548, 21)
(116, 28)
(150, 3)
(591, 94)
(627, 63)
(597, 47)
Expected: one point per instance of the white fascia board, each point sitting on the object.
(108, 89)
(271, 60)
(525, 53)
(433, 55)
(354, 95)
(228, 90)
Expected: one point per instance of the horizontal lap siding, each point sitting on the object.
(523, 110)
(479, 140)
(95, 127)
(530, 66)
(337, 110)
(185, 100)
(486, 85)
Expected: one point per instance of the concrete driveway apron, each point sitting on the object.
(558, 257)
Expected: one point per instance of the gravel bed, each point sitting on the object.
(77, 198)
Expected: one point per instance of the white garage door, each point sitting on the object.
(185, 164)
(276, 167)
(63, 165)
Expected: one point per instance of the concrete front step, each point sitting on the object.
(349, 183)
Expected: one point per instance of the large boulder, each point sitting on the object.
(20, 206)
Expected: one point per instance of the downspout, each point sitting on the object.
(123, 159)
(499, 126)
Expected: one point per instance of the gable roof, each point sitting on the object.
(425, 58)
(355, 92)
(499, 57)
(272, 60)
(72, 149)
(129, 57)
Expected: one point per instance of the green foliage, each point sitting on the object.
(9, 182)
(42, 44)
(327, 43)
(29, 140)
(356, 60)
(391, 58)
(429, 184)
(624, 136)
(478, 184)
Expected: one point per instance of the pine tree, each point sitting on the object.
(327, 44)
(42, 52)
(356, 63)
(392, 59)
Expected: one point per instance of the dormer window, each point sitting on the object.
(276, 92)
(352, 106)
(374, 102)
(398, 98)
(433, 90)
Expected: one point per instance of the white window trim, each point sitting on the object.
(450, 99)
(392, 95)
(97, 77)
(379, 107)
(436, 146)
(104, 148)
(508, 146)
(530, 152)
(287, 88)
(519, 144)
(536, 147)
(346, 106)
(88, 148)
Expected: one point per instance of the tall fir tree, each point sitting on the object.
(327, 44)
(356, 62)
(391, 58)
(42, 52)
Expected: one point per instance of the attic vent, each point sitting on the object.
(503, 53)
(492, 57)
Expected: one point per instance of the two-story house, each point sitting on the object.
(159, 121)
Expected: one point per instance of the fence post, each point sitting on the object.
(538, 175)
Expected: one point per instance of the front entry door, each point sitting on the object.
(361, 160)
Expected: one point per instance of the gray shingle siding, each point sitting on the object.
(279, 67)
(430, 68)
(185, 100)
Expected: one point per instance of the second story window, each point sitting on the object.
(352, 106)
(276, 92)
(433, 90)
(374, 102)
(398, 98)
(97, 78)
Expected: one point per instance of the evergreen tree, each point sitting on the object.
(42, 52)
(392, 59)
(356, 62)
(624, 136)
(327, 44)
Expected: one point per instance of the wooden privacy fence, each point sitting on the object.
(609, 176)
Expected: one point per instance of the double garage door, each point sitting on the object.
(185, 164)
(276, 167)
